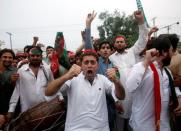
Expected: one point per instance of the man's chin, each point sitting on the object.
(120, 50)
(7, 65)
(35, 64)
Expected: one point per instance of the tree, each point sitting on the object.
(118, 24)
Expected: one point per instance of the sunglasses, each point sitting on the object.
(92, 62)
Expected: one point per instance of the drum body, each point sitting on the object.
(44, 116)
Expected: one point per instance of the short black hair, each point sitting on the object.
(173, 39)
(27, 47)
(49, 47)
(89, 53)
(5, 50)
(105, 42)
(162, 44)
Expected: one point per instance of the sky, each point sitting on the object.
(43, 18)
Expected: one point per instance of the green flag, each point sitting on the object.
(140, 7)
(60, 48)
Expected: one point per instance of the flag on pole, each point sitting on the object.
(59, 57)
(59, 43)
(140, 7)
(54, 66)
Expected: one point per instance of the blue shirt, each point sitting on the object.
(104, 66)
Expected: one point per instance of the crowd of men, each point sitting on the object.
(108, 86)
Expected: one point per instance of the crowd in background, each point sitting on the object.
(107, 86)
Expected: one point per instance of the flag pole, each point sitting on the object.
(140, 7)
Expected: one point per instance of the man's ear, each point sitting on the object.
(164, 54)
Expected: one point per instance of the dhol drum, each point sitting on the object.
(47, 116)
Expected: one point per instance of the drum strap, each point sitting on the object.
(45, 73)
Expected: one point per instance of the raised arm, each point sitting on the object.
(81, 47)
(119, 89)
(152, 30)
(138, 71)
(56, 84)
(143, 33)
(35, 40)
(88, 41)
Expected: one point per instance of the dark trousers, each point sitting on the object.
(178, 123)
(122, 124)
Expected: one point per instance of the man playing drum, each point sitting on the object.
(33, 79)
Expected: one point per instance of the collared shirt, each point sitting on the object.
(104, 66)
(87, 108)
(125, 61)
(46, 60)
(6, 89)
(30, 88)
(142, 89)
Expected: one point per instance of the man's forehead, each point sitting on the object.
(7, 54)
(119, 38)
(50, 49)
(105, 45)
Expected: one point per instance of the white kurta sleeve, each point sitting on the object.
(65, 86)
(110, 88)
(135, 77)
(140, 44)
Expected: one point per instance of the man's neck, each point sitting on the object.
(90, 80)
(106, 60)
(160, 64)
(121, 51)
(34, 69)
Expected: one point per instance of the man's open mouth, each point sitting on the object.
(89, 72)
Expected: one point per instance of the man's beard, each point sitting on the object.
(166, 61)
(120, 50)
(35, 63)
(7, 64)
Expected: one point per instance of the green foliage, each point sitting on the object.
(179, 45)
(118, 24)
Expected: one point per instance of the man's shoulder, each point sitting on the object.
(45, 66)
(177, 57)
(138, 65)
(176, 60)
(101, 77)
(114, 56)
(23, 67)
(78, 78)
